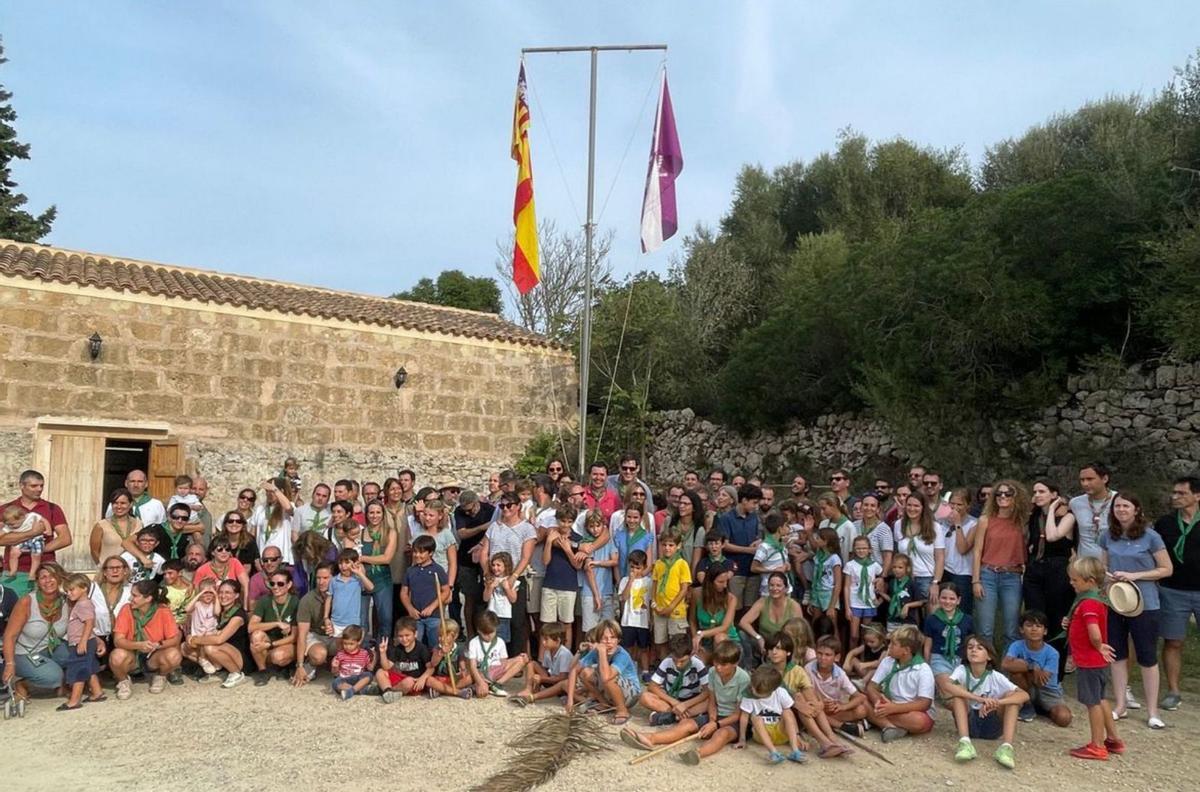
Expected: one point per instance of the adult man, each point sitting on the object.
(370, 491)
(471, 520)
(598, 495)
(1179, 594)
(883, 488)
(450, 492)
(149, 510)
(516, 537)
(627, 475)
(314, 515)
(839, 482)
(799, 487)
(408, 483)
(691, 481)
(314, 635)
(200, 488)
(915, 474)
(739, 527)
(716, 479)
(766, 502)
(193, 558)
(931, 490)
(272, 561)
(31, 483)
(343, 489)
(738, 480)
(674, 493)
(1091, 508)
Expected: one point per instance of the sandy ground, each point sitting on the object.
(203, 737)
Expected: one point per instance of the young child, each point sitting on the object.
(546, 677)
(183, 494)
(902, 689)
(903, 606)
(944, 631)
(501, 592)
(863, 659)
(767, 709)
(985, 703)
(445, 658)
(772, 555)
(488, 660)
(1087, 639)
(607, 674)
(82, 666)
(178, 591)
(779, 651)
(672, 578)
(17, 520)
(674, 691)
(202, 620)
(635, 594)
(845, 705)
(858, 587)
(147, 541)
(404, 667)
(560, 586)
(352, 664)
(714, 545)
(803, 642)
(343, 606)
(426, 588)
(826, 575)
(1032, 665)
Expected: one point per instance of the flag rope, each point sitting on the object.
(633, 134)
(554, 149)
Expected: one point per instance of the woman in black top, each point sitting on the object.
(1050, 540)
(245, 549)
(229, 646)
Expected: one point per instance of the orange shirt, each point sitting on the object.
(160, 628)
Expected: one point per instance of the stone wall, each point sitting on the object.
(1147, 420)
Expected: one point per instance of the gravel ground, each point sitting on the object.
(202, 737)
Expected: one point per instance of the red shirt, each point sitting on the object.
(47, 511)
(607, 503)
(1086, 655)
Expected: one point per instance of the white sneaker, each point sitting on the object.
(233, 679)
(207, 666)
(1130, 701)
(124, 690)
(1156, 723)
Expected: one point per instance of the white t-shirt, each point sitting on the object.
(149, 513)
(499, 603)
(910, 684)
(140, 572)
(191, 501)
(919, 552)
(880, 538)
(281, 534)
(771, 708)
(956, 562)
(487, 655)
(825, 574)
(837, 687)
(852, 575)
(636, 612)
(31, 518)
(302, 519)
(773, 560)
(992, 685)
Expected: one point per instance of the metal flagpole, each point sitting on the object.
(589, 228)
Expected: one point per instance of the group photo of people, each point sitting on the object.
(713, 612)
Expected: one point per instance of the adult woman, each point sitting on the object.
(35, 653)
(555, 469)
(1049, 543)
(222, 566)
(689, 519)
(395, 514)
(245, 548)
(1132, 551)
(768, 614)
(229, 646)
(999, 560)
(925, 547)
(117, 534)
(379, 547)
(245, 503)
(144, 636)
(342, 524)
(109, 594)
(272, 626)
(878, 533)
(959, 534)
(711, 614)
(271, 523)
(725, 499)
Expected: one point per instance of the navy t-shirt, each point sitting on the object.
(938, 631)
(741, 531)
(423, 583)
(560, 575)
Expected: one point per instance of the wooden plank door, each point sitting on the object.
(75, 481)
(166, 462)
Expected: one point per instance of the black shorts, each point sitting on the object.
(1143, 629)
(984, 727)
(1089, 685)
(635, 637)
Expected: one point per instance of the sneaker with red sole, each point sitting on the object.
(1090, 751)
(1114, 746)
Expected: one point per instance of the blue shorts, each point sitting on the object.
(940, 665)
(863, 613)
(80, 667)
(635, 637)
(1176, 607)
(981, 727)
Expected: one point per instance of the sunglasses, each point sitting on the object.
(1004, 493)
(235, 522)
(630, 468)
(837, 478)
(278, 584)
(929, 483)
(222, 550)
(178, 518)
(555, 469)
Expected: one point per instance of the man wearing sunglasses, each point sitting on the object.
(627, 475)
(272, 562)
(839, 482)
(931, 490)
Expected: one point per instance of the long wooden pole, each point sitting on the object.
(664, 748)
(442, 635)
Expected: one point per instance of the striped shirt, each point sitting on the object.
(681, 685)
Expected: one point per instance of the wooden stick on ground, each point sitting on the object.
(664, 748)
(442, 634)
(858, 743)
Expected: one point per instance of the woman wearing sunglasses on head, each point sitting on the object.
(999, 560)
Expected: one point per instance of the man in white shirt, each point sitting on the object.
(1091, 508)
(314, 515)
(150, 511)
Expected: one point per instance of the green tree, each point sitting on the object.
(455, 289)
(15, 222)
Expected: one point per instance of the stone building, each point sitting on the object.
(110, 364)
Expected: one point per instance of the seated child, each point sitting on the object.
(451, 676)
(778, 650)
(607, 674)
(635, 593)
(803, 643)
(202, 620)
(845, 705)
(1032, 665)
(902, 605)
(404, 667)
(81, 666)
(17, 520)
(352, 664)
(546, 677)
(985, 703)
(1087, 639)
(674, 692)
(147, 541)
(944, 631)
(863, 659)
(902, 689)
(500, 593)
(767, 709)
(858, 583)
(183, 494)
(488, 660)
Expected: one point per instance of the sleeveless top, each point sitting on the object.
(1037, 549)
(1004, 545)
(871, 655)
(111, 539)
(240, 640)
(767, 626)
(379, 574)
(706, 620)
(38, 634)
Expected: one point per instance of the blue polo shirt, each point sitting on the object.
(741, 531)
(423, 583)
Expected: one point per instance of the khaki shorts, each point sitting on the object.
(313, 638)
(533, 604)
(665, 626)
(745, 589)
(558, 606)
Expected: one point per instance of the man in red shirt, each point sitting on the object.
(598, 495)
(31, 484)
(1087, 637)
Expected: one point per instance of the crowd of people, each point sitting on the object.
(723, 609)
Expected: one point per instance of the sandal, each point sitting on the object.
(96, 700)
(631, 739)
(618, 720)
(64, 707)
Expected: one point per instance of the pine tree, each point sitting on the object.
(15, 222)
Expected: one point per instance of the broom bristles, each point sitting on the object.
(543, 748)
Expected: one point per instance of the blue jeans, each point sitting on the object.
(47, 675)
(384, 618)
(428, 629)
(1000, 590)
(966, 592)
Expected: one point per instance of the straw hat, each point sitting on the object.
(1126, 599)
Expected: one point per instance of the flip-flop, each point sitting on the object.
(630, 739)
(618, 720)
(519, 702)
(97, 700)
(64, 707)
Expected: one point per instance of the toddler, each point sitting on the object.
(17, 520)
(352, 664)
(183, 494)
(863, 659)
(81, 666)
(202, 620)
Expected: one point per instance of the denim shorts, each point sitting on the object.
(1175, 608)
(984, 727)
(939, 664)
(863, 613)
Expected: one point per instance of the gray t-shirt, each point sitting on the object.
(509, 539)
(1091, 520)
(1135, 555)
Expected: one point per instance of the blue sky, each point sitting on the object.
(363, 145)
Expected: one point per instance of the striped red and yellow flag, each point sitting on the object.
(526, 271)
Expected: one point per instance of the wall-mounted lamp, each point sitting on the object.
(94, 344)
(401, 377)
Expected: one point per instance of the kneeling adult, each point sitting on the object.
(315, 644)
(144, 637)
(272, 626)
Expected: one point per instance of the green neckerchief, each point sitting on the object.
(443, 666)
(668, 563)
(140, 622)
(227, 615)
(51, 614)
(677, 683)
(1184, 530)
(637, 535)
(116, 529)
(818, 583)
(844, 519)
(774, 543)
(864, 581)
(1090, 594)
(172, 539)
(899, 585)
(886, 684)
(317, 524)
(142, 500)
(950, 648)
(987, 672)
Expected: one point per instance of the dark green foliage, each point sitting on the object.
(456, 290)
(15, 222)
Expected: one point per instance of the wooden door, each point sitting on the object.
(166, 462)
(75, 481)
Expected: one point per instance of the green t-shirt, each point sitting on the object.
(728, 694)
(269, 611)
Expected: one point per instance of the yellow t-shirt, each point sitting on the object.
(679, 577)
(796, 679)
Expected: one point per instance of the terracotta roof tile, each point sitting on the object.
(39, 262)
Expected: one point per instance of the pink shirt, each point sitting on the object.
(81, 611)
(352, 664)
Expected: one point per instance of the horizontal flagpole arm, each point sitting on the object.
(606, 48)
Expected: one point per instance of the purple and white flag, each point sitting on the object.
(660, 220)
